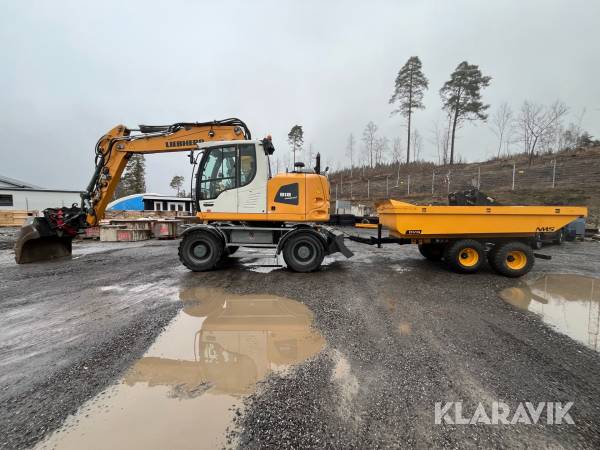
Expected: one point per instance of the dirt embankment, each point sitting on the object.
(566, 178)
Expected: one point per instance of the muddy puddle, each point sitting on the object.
(568, 303)
(184, 392)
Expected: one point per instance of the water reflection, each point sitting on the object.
(240, 339)
(569, 303)
(183, 392)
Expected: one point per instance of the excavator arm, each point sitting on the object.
(50, 236)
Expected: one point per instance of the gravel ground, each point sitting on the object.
(7, 237)
(402, 334)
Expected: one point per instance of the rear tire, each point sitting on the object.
(464, 256)
(433, 252)
(536, 242)
(303, 252)
(200, 250)
(513, 259)
(560, 239)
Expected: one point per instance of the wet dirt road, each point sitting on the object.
(353, 356)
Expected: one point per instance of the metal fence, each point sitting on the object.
(435, 181)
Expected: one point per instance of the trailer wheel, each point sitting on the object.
(560, 238)
(465, 256)
(200, 250)
(433, 252)
(513, 259)
(303, 252)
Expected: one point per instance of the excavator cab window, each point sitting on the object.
(219, 169)
(247, 163)
(218, 172)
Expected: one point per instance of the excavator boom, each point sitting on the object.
(51, 236)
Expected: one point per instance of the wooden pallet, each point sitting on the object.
(14, 218)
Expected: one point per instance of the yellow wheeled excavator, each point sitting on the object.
(236, 197)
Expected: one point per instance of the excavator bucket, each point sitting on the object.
(37, 241)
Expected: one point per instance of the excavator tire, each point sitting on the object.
(512, 259)
(465, 255)
(200, 250)
(433, 252)
(303, 252)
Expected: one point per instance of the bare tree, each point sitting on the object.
(440, 138)
(538, 123)
(382, 145)
(568, 138)
(286, 161)
(369, 139)
(397, 155)
(502, 125)
(350, 151)
(435, 138)
(417, 145)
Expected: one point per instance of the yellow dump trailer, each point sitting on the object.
(464, 236)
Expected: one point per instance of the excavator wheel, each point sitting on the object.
(433, 252)
(303, 252)
(465, 255)
(200, 250)
(512, 259)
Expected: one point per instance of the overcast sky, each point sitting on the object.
(73, 70)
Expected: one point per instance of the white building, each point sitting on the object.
(16, 195)
(151, 202)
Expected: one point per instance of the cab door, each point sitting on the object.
(217, 183)
(252, 191)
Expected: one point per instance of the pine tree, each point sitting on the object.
(410, 86)
(461, 97)
(177, 183)
(296, 140)
(133, 180)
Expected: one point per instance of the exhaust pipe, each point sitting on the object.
(48, 237)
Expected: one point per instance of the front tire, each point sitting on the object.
(200, 250)
(303, 253)
(433, 252)
(464, 256)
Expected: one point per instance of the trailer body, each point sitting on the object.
(405, 220)
(465, 236)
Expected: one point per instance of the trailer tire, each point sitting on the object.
(560, 238)
(432, 252)
(464, 256)
(303, 252)
(513, 259)
(200, 250)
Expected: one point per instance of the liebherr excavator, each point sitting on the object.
(236, 196)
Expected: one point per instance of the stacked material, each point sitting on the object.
(14, 218)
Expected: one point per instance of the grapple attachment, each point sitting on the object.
(48, 237)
